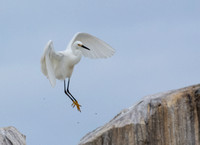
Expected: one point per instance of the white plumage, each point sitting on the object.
(59, 65)
(98, 48)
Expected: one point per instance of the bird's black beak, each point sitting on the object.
(85, 47)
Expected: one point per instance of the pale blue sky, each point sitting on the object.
(157, 47)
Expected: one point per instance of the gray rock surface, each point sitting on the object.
(169, 118)
(11, 136)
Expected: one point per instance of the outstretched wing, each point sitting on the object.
(48, 61)
(98, 48)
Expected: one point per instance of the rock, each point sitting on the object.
(10, 136)
(169, 118)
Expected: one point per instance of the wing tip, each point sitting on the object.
(53, 84)
(49, 42)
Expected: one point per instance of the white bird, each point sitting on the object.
(60, 65)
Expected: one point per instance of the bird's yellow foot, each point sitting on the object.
(75, 103)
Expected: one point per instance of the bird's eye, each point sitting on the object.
(79, 45)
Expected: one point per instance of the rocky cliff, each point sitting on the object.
(169, 118)
(10, 136)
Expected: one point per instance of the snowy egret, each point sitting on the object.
(60, 65)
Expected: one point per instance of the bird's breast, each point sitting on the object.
(72, 59)
(67, 65)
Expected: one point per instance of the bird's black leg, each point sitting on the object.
(75, 102)
(67, 91)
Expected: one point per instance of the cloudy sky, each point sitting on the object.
(157, 47)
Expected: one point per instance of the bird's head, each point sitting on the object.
(79, 44)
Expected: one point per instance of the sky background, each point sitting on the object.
(157, 47)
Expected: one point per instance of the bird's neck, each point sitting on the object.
(76, 52)
(77, 56)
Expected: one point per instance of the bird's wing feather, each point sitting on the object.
(48, 60)
(98, 48)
